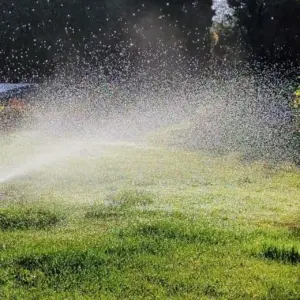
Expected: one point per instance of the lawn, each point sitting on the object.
(126, 221)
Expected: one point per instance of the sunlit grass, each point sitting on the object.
(131, 222)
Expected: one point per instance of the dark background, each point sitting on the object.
(39, 37)
(42, 37)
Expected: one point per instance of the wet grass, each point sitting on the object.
(24, 218)
(135, 223)
(119, 204)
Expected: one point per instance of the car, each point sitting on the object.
(15, 90)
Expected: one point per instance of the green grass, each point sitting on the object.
(150, 223)
(16, 218)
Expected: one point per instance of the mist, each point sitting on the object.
(151, 83)
(239, 113)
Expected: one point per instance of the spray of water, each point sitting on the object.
(242, 113)
(212, 109)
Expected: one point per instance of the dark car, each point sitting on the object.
(15, 90)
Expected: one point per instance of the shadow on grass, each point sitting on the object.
(180, 232)
(75, 269)
(152, 253)
(59, 270)
(283, 254)
(137, 248)
(27, 218)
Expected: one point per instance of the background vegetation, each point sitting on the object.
(38, 38)
(166, 42)
(41, 38)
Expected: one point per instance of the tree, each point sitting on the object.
(38, 36)
(270, 30)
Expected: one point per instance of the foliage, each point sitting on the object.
(269, 31)
(92, 33)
